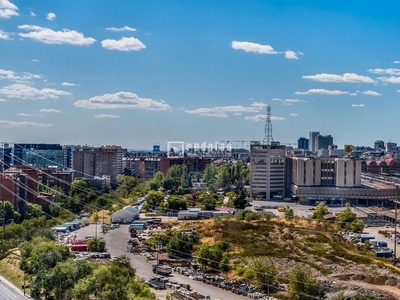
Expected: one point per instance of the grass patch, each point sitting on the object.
(9, 269)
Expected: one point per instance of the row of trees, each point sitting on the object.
(51, 269)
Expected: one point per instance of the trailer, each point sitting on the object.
(386, 254)
(157, 282)
(162, 269)
(382, 244)
(366, 238)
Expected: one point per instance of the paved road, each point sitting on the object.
(116, 241)
(374, 231)
(8, 291)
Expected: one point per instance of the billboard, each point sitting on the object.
(348, 149)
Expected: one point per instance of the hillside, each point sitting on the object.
(315, 246)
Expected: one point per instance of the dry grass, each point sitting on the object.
(9, 268)
(104, 217)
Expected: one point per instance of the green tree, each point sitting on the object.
(289, 213)
(209, 256)
(263, 272)
(96, 245)
(223, 176)
(240, 201)
(207, 201)
(176, 202)
(6, 212)
(181, 244)
(33, 210)
(210, 174)
(124, 285)
(357, 226)
(320, 211)
(154, 198)
(302, 286)
(346, 217)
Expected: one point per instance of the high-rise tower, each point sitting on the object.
(268, 139)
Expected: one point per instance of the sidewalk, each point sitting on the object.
(12, 287)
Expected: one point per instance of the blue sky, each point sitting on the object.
(139, 73)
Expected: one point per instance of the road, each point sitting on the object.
(116, 241)
(8, 291)
(374, 231)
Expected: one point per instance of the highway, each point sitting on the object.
(116, 241)
(8, 291)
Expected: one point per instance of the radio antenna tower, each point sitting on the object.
(268, 139)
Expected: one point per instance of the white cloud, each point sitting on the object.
(396, 62)
(358, 105)
(237, 114)
(122, 100)
(105, 116)
(49, 36)
(7, 9)
(33, 14)
(322, 92)
(346, 77)
(391, 79)
(277, 99)
(35, 60)
(4, 35)
(68, 84)
(390, 71)
(207, 112)
(3, 100)
(253, 47)
(221, 111)
(24, 115)
(371, 93)
(11, 75)
(51, 16)
(289, 101)
(23, 91)
(9, 124)
(291, 54)
(262, 118)
(121, 29)
(293, 115)
(50, 110)
(124, 44)
(353, 94)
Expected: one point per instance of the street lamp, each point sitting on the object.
(395, 226)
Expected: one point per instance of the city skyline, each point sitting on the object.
(135, 73)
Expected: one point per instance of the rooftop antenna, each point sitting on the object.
(268, 139)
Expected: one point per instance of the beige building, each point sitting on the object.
(267, 170)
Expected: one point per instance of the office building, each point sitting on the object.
(5, 156)
(391, 147)
(38, 155)
(302, 143)
(323, 142)
(379, 145)
(267, 170)
(311, 141)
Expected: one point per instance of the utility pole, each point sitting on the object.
(102, 222)
(395, 227)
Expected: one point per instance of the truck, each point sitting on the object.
(157, 282)
(162, 269)
(366, 238)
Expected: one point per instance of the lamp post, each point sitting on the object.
(395, 227)
(102, 221)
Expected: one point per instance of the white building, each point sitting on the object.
(267, 170)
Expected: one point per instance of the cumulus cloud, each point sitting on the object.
(253, 47)
(106, 116)
(322, 92)
(3, 100)
(49, 36)
(358, 105)
(293, 115)
(396, 62)
(389, 71)
(288, 101)
(13, 124)
(289, 54)
(24, 91)
(11, 75)
(24, 115)
(35, 60)
(221, 111)
(8, 9)
(122, 100)
(346, 77)
(262, 118)
(33, 14)
(391, 79)
(68, 84)
(124, 44)
(371, 93)
(51, 16)
(50, 110)
(121, 29)
(4, 35)
(353, 94)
